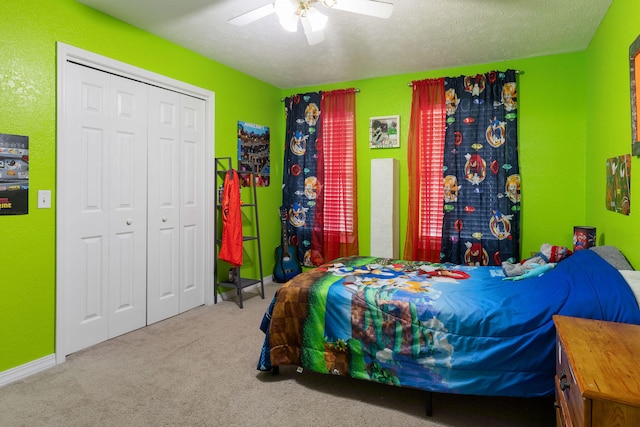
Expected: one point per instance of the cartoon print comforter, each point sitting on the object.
(438, 327)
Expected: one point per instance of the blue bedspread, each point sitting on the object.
(431, 327)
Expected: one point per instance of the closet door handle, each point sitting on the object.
(129, 222)
(164, 219)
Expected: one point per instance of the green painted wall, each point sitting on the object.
(609, 125)
(551, 137)
(569, 124)
(28, 36)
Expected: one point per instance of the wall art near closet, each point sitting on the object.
(253, 154)
(619, 184)
(14, 174)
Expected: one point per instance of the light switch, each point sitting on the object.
(44, 199)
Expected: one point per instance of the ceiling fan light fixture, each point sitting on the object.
(285, 8)
(289, 23)
(287, 12)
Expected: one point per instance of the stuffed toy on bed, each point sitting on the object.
(548, 254)
(537, 270)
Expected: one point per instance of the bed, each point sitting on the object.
(438, 327)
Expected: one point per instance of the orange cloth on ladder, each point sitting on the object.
(231, 247)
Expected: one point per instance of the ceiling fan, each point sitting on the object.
(291, 11)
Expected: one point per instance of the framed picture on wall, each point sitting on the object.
(14, 174)
(634, 66)
(254, 142)
(384, 132)
(619, 184)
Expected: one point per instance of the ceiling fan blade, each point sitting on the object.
(365, 7)
(313, 37)
(253, 15)
(317, 20)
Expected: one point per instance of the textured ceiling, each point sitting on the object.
(420, 35)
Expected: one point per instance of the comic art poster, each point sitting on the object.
(253, 154)
(619, 184)
(14, 174)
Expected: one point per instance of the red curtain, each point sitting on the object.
(425, 159)
(335, 226)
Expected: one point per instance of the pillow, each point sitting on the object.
(613, 256)
(633, 279)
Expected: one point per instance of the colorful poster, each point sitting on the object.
(14, 174)
(634, 66)
(253, 154)
(619, 184)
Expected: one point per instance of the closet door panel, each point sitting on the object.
(128, 206)
(163, 263)
(85, 213)
(192, 202)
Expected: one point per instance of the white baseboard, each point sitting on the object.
(28, 369)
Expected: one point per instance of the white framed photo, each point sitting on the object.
(384, 132)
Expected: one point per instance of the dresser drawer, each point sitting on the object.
(569, 395)
(562, 414)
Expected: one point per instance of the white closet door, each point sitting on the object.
(134, 204)
(176, 204)
(163, 264)
(192, 202)
(104, 206)
(128, 207)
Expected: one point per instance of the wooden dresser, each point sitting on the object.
(597, 373)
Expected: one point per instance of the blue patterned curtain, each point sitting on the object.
(481, 173)
(300, 185)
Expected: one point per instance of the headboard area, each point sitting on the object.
(613, 256)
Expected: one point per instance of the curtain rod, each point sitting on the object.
(517, 72)
(282, 99)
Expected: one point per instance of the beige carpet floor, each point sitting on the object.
(199, 369)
